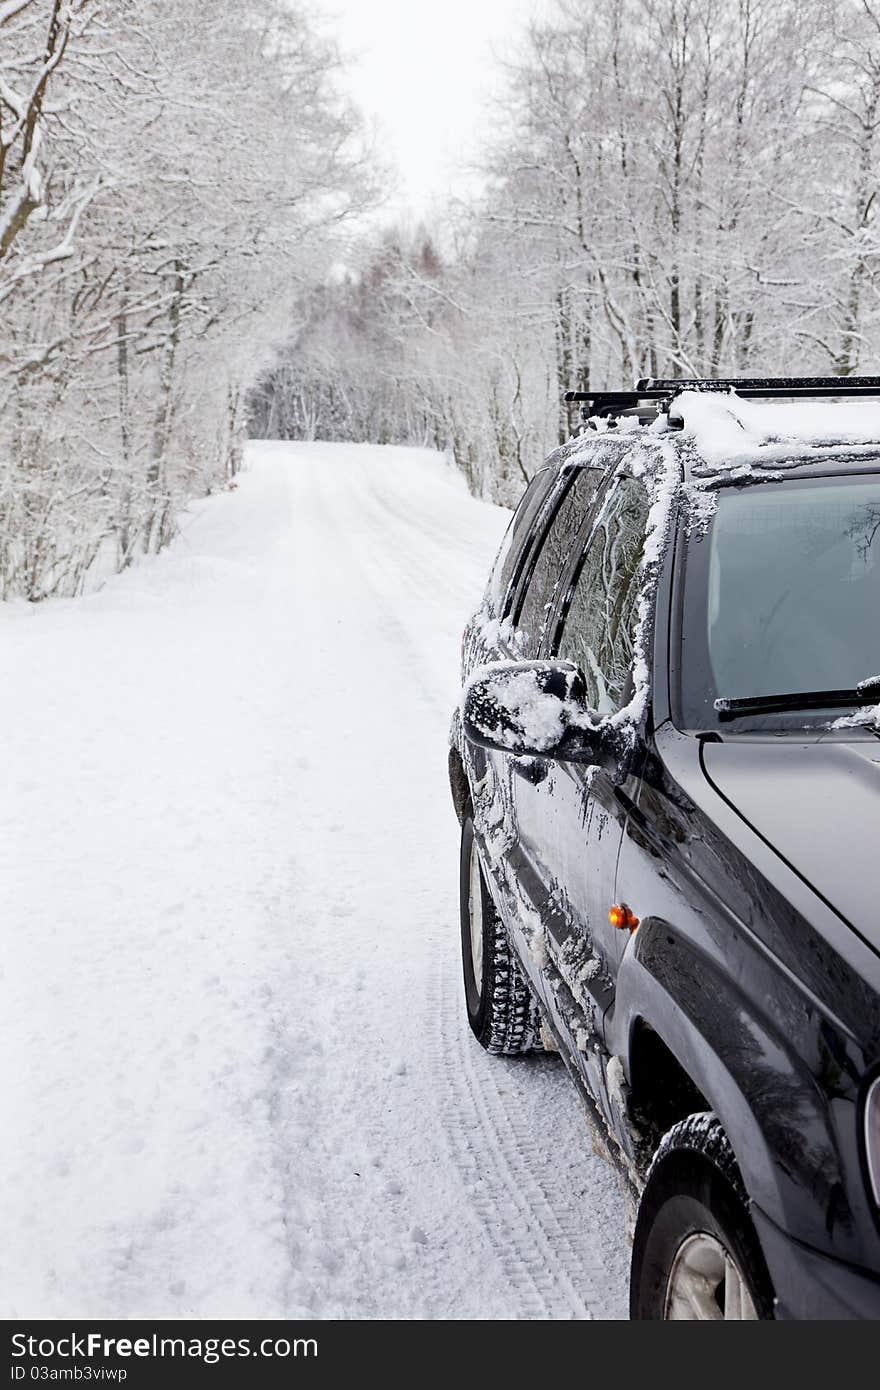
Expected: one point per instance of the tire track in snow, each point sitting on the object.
(428, 531)
(242, 889)
(546, 1256)
(494, 1189)
(546, 1247)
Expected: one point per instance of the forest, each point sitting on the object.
(192, 245)
(169, 188)
(672, 187)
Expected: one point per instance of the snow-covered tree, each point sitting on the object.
(172, 177)
(672, 187)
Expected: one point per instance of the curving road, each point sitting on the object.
(240, 1077)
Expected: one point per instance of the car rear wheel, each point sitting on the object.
(695, 1252)
(501, 1010)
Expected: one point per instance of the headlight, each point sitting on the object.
(872, 1135)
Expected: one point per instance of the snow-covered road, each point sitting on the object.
(238, 1079)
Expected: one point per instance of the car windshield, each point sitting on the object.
(781, 596)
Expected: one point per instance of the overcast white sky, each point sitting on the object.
(422, 70)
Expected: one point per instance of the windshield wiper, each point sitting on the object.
(867, 692)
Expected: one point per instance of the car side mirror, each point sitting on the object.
(537, 709)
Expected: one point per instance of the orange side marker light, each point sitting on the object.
(620, 916)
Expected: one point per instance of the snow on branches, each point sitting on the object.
(672, 187)
(169, 177)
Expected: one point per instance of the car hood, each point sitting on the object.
(817, 804)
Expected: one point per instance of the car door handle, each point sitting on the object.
(533, 770)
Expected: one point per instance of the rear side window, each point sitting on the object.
(552, 556)
(598, 631)
(505, 571)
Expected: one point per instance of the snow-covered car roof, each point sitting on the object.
(727, 432)
(722, 435)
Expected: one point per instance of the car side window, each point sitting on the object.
(507, 562)
(598, 631)
(553, 553)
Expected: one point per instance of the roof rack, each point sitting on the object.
(765, 385)
(653, 395)
(605, 403)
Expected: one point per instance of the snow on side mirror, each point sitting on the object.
(535, 709)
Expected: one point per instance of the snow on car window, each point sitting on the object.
(599, 631)
(653, 460)
(553, 556)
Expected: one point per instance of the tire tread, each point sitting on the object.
(693, 1166)
(507, 1022)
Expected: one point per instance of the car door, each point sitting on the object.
(546, 567)
(570, 820)
(549, 501)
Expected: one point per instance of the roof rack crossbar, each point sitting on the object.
(614, 402)
(797, 386)
(662, 390)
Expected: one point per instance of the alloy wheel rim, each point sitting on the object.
(475, 913)
(705, 1283)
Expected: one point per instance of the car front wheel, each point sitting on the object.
(501, 1010)
(695, 1252)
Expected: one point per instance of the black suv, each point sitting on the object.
(666, 765)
